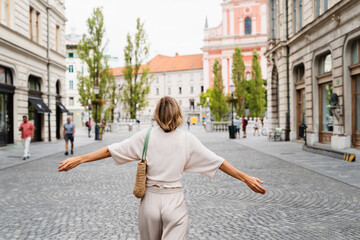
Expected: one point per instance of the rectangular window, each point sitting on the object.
(71, 68)
(191, 89)
(325, 5)
(179, 90)
(71, 101)
(37, 26)
(317, 8)
(169, 79)
(180, 102)
(300, 14)
(71, 55)
(294, 16)
(169, 91)
(179, 78)
(82, 69)
(191, 77)
(157, 91)
(157, 79)
(202, 89)
(57, 37)
(273, 18)
(71, 84)
(31, 22)
(201, 76)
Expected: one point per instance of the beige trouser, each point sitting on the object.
(163, 214)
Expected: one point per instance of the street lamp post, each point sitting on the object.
(96, 91)
(232, 127)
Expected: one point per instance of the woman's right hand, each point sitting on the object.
(69, 164)
(254, 184)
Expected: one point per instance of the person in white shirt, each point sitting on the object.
(256, 127)
(163, 212)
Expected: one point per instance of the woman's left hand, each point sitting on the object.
(69, 164)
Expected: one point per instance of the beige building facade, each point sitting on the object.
(32, 67)
(313, 69)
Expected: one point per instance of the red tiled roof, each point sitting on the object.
(161, 63)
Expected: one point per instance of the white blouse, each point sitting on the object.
(168, 156)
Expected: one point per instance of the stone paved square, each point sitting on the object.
(95, 201)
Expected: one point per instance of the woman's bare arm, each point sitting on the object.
(252, 182)
(70, 163)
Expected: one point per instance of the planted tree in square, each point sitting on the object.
(136, 75)
(257, 90)
(241, 84)
(218, 105)
(91, 51)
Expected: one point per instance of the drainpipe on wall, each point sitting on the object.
(48, 67)
(287, 127)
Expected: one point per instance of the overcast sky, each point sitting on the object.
(172, 25)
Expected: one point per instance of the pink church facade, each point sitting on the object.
(244, 25)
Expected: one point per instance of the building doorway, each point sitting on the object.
(300, 109)
(37, 107)
(6, 106)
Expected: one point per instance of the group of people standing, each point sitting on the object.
(243, 123)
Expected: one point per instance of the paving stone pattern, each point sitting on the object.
(95, 201)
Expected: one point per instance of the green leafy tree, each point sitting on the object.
(241, 84)
(204, 96)
(218, 105)
(91, 51)
(257, 91)
(137, 77)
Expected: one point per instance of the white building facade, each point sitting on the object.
(180, 77)
(32, 68)
(313, 69)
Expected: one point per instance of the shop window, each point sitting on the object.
(326, 112)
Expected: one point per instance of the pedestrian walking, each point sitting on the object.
(244, 124)
(88, 125)
(256, 127)
(27, 134)
(103, 126)
(237, 127)
(170, 151)
(69, 133)
(188, 123)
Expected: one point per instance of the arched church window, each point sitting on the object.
(247, 25)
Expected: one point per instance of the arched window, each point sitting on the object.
(34, 83)
(355, 52)
(325, 64)
(5, 76)
(58, 87)
(247, 25)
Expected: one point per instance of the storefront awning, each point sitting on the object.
(61, 107)
(39, 105)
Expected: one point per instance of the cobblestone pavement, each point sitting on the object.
(95, 201)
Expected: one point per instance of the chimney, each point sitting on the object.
(176, 54)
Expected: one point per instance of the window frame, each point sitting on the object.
(71, 68)
(71, 84)
(247, 25)
(355, 43)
